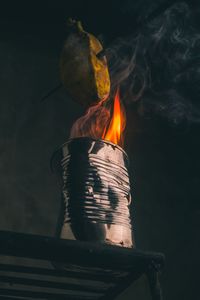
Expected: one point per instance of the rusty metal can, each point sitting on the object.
(95, 193)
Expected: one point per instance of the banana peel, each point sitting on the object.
(84, 75)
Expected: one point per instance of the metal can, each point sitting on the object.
(95, 192)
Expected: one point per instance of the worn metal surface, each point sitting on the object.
(96, 192)
(92, 271)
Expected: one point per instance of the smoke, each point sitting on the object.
(93, 123)
(158, 70)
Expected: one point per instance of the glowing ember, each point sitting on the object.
(117, 124)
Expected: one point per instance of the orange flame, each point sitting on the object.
(117, 124)
(96, 122)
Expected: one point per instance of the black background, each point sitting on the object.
(164, 158)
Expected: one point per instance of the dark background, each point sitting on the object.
(164, 158)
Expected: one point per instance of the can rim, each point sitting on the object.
(85, 138)
(97, 140)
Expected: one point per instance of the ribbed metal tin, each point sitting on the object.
(95, 192)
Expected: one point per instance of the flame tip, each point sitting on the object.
(96, 122)
(117, 124)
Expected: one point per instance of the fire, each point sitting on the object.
(114, 133)
(96, 122)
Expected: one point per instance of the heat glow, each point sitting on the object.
(105, 120)
(117, 123)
